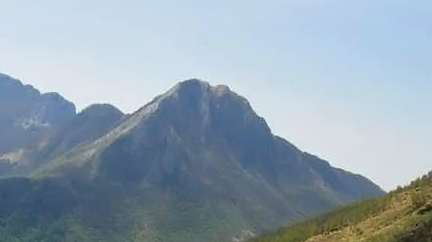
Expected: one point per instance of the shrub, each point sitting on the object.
(417, 199)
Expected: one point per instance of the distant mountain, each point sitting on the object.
(38, 127)
(89, 125)
(404, 215)
(195, 164)
(26, 115)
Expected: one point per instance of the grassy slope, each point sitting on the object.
(404, 215)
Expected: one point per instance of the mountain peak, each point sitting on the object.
(26, 115)
(10, 86)
(200, 98)
(189, 87)
(197, 96)
(197, 86)
(9, 80)
(102, 109)
(193, 82)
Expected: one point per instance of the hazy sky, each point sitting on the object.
(350, 81)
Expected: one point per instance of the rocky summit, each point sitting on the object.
(195, 164)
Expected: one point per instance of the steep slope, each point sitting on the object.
(26, 115)
(199, 164)
(26, 118)
(35, 127)
(87, 126)
(404, 215)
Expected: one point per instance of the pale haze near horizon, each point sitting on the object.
(349, 81)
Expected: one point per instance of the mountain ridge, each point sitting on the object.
(31, 121)
(197, 151)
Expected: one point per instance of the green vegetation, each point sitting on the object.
(57, 209)
(404, 215)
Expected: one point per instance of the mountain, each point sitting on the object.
(87, 126)
(195, 164)
(26, 115)
(38, 127)
(404, 215)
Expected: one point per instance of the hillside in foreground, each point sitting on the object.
(404, 215)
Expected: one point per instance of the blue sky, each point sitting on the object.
(350, 81)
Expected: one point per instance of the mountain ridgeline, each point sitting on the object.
(195, 164)
(26, 115)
